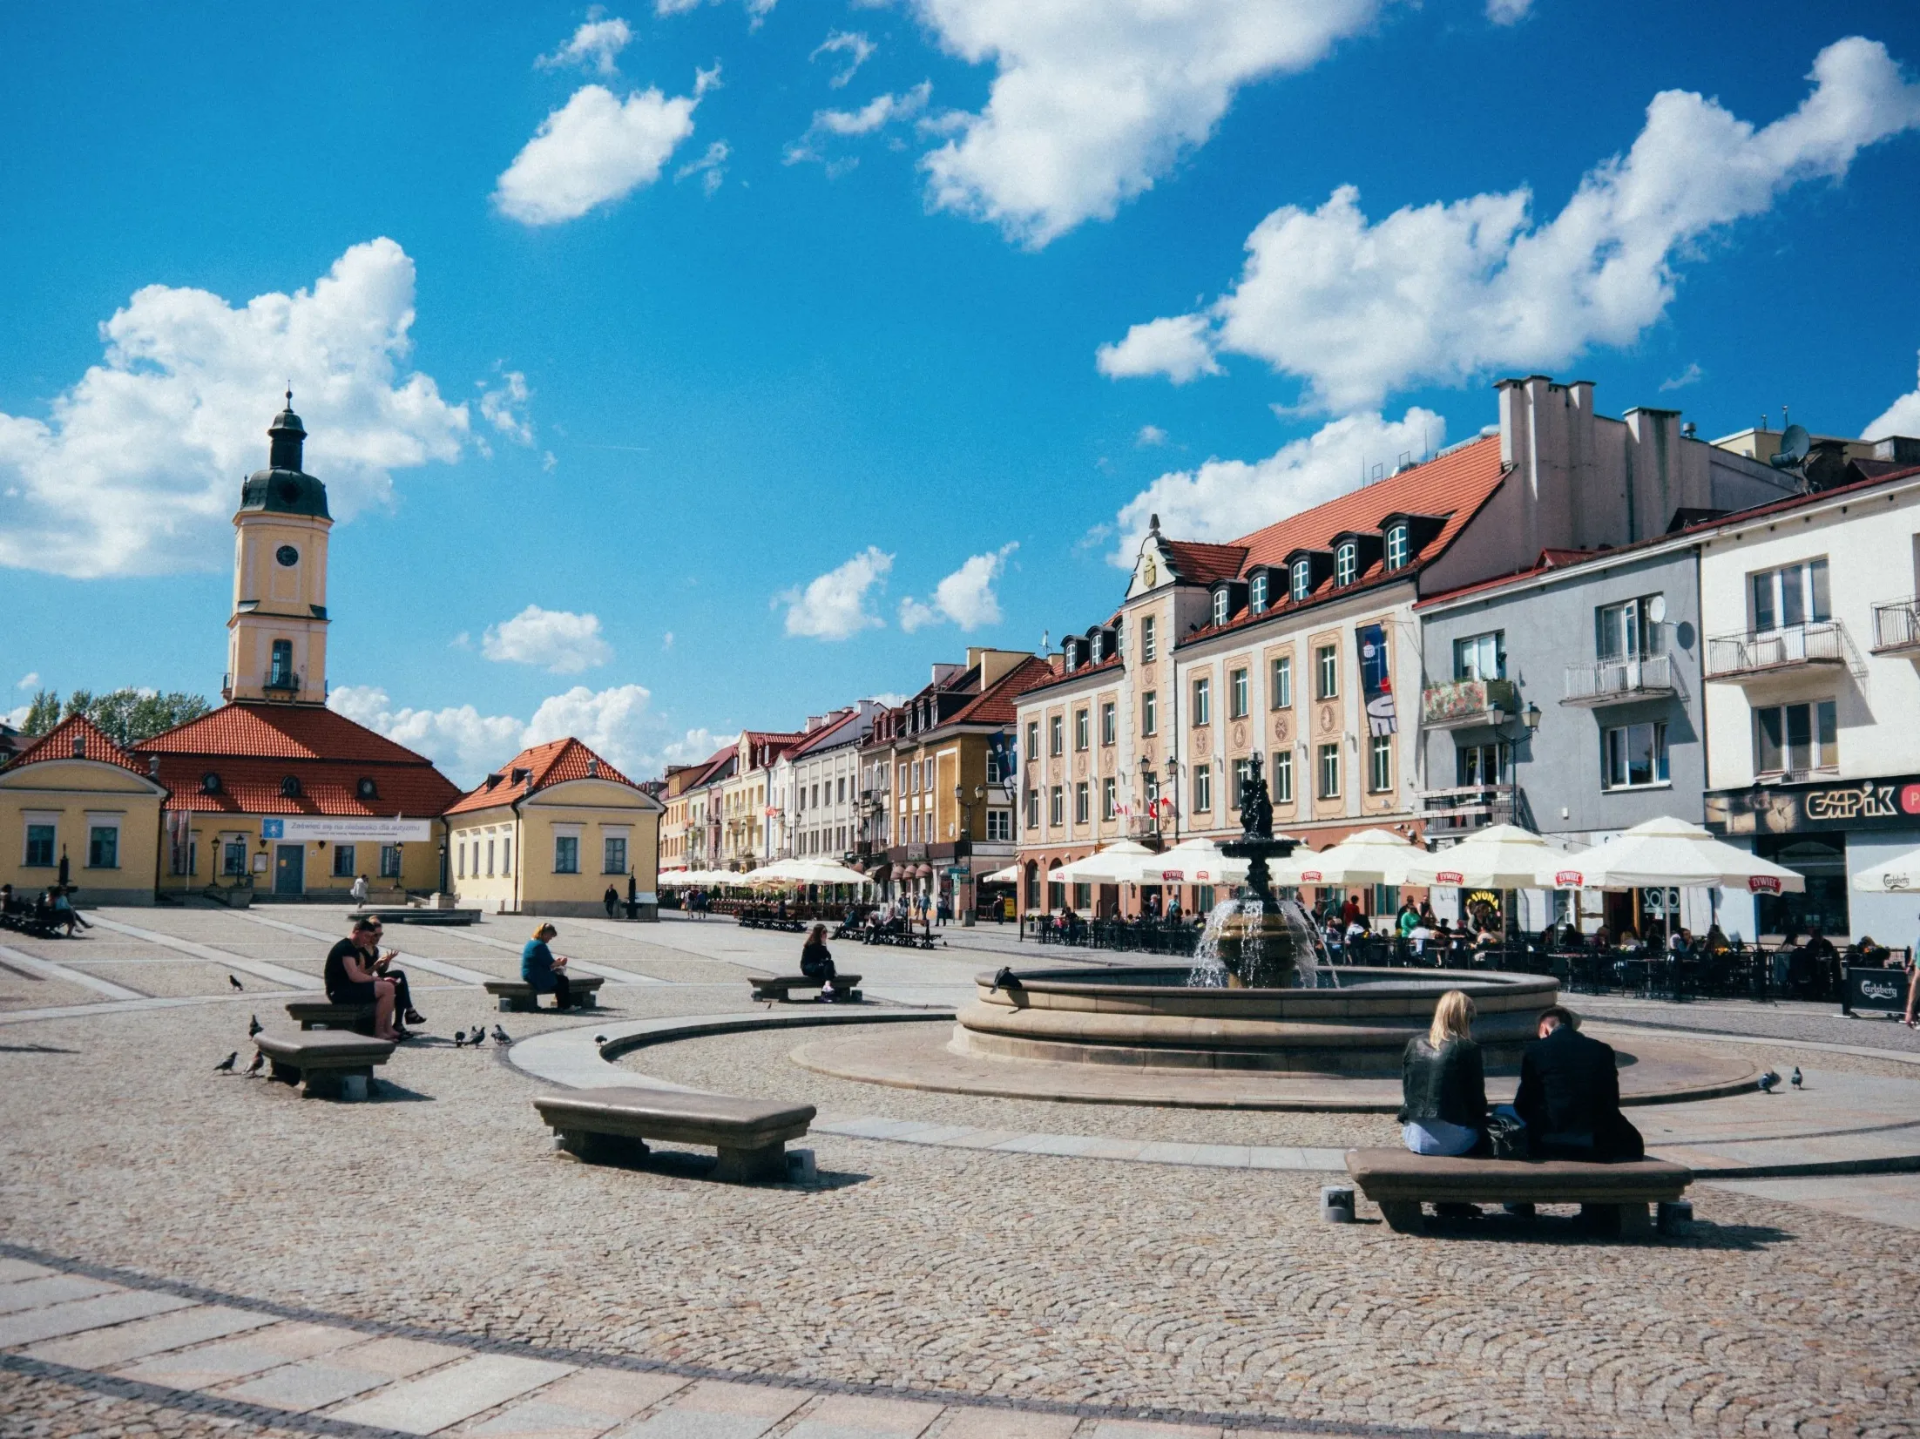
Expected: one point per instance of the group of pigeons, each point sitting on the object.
(462, 1039)
(1770, 1081)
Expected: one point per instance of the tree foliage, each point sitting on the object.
(126, 715)
(43, 714)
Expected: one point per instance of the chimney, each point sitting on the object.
(153, 766)
(1901, 449)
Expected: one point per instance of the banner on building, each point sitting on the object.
(1376, 681)
(366, 830)
(180, 841)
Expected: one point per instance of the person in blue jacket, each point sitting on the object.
(540, 968)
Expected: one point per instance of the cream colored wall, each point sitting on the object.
(68, 792)
(419, 861)
(467, 838)
(283, 596)
(596, 807)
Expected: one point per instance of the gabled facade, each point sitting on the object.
(742, 807)
(816, 785)
(76, 804)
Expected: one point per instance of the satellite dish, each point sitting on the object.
(1657, 609)
(1794, 445)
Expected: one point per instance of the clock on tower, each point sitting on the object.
(277, 634)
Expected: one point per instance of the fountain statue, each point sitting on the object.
(1257, 941)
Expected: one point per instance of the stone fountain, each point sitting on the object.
(1259, 942)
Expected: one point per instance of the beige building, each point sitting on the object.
(548, 833)
(76, 805)
(741, 806)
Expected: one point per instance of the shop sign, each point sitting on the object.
(1793, 809)
(1883, 989)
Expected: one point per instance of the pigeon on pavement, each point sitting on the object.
(459, 1039)
(1769, 1082)
(599, 1039)
(225, 1066)
(254, 1026)
(500, 1036)
(235, 983)
(1798, 1078)
(259, 1062)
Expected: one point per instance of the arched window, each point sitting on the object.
(1397, 547)
(1302, 579)
(1220, 605)
(1346, 563)
(1257, 593)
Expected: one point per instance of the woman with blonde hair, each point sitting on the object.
(547, 974)
(1443, 1107)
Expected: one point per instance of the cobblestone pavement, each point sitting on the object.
(1081, 1294)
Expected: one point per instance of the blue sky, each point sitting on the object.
(630, 323)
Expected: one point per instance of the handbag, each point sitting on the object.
(1507, 1136)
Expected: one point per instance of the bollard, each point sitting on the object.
(800, 1167)
(1336, 1203)
(1674, 1217)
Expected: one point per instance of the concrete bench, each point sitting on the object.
(614, 1124)
(325, 1014)
(846, 987)
(1398, 1181)
(516, 995)
(327, 1063)
(414, 914)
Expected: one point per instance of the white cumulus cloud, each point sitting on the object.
(1150, 437)
(1176, 347)
(757, 10)
(966, 596)
(1508, 12)
(834, 605)
(594, 150)
(505, 405)
(460, 740)
(28, 680)
(136, 469)
(1225, 499)
(855, 48)
(594, 46)
(878, 113)
(1902, 417)
(1093, 100)
(1443, 293)
(561, 642)
(710, 167)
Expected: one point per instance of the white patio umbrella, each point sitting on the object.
(1899, 875)
(1502, 856)
(1372, 856)
(1009, 875)
(1192, 861)
(1115, 864)
(805, 871)
(1663, 853)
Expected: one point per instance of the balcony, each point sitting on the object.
(281, 682)
(1462, 704)
(1747, 654)
(1466, 807)
(1896, 628)
(1612, 682)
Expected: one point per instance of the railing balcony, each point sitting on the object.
(1896, 628)
(1459, 704)
(281, 682)
(1466, 807)
(1608, 682)
(1767, 652)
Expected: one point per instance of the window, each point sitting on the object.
(1329, 771)
(1056, 806)
(1203, 700)
(1033, 809)
(1795, 739)
(1033, 748)
(1203, 788)
(460, 861)
(1302, 583)
(1280, 777)
(1397, 547)
(1082, 729)
(1624, 631)
(1380, 763)
(233, 859)
(281, 674)
(1257, 593)
(1149, 713)
(1346, 563)
(840, 790)
(1055, 735)
(999, 824)
(615, 854)
(1107, 722)
(1147, 630)
(1237, 695)
(490, 852)
(1109, 798)
(1482, 764)
(566, 854)
(1242, 772)
(1220, 603)
(343, 861)
(1082, 803)
(103, 846)
(40, 846)
(1634, 754)
(1327, 672)
(1790, 595)
(1282, 683)
(1481, 657)
(390, 861)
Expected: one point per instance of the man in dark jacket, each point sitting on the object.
(1569, 1096)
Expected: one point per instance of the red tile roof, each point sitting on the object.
(817, 739)
(1202, 564)
(327, 787)
(280, 732)
(57, 743)
(995, 704)
(545, 765)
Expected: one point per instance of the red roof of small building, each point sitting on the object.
(540, 767)
(994, 705)
(267, 731)
(57, 743)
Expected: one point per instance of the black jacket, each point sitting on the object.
(1570, 1099)
(1449, 1084)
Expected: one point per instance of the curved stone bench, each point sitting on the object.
(516, 995)
(613, 1124)
(1399, 1181)
(781, 986)
(326, 1063)
(325, 1014)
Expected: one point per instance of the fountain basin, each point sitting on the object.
(1149, 1016)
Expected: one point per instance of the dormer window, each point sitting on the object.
(1098, 648)
(1302, 578)
(1220, 603)
(1257, 593)
(365, 788)
(290, 787)
(1398, 548)
(1346, 564)
(210, 783)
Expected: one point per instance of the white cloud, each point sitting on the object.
(834, 605)
(460, 740)
(966, 596)
(16, 716)
(612, 722)
(878, 113)
(1093, 100)
(710, 167)
(504, 406)
(1176, 347)
(1151, 437)
(757, 10)
(1508, 12)
(1443, 293)
(1225, 499)
(1692, 375)
(28, 680)
(852, 44)
(558, 640)
(592, 151)
(136, 469)
(594, 46)
(1902, 417)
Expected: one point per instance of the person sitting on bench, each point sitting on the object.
(350, 978)
(816, 961)
(543, 971)
(1569, 1096)
(1443, 1084)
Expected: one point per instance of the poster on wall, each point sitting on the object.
(1376, 683)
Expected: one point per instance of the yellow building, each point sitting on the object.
(549, 832)
(741, 800)
(75, 808)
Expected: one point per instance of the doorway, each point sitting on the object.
(290, 869)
